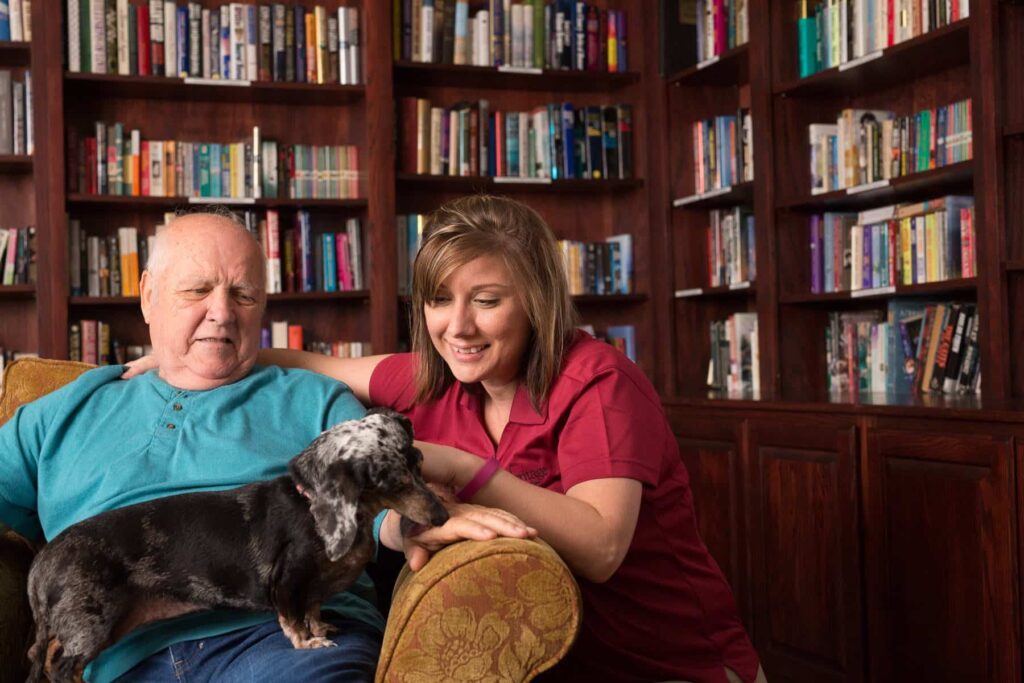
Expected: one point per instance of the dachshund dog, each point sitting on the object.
(283, 545)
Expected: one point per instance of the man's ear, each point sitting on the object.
(146, 292)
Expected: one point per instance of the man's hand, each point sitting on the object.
(139, 366)
(466, 522)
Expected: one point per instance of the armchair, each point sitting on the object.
(502, 610)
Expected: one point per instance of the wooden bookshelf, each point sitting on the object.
(468, 184)
(201, 90)
(106, 201)
(15, 163)
(15, 53)
(486, 78)
(17, 291)
(850, 477)
(726, 69)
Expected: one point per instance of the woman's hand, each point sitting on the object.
(465, 522)
(139, 366)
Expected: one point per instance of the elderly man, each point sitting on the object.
(209, 418)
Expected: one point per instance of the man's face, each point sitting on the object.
(204, 304)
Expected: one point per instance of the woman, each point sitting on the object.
(543, 421)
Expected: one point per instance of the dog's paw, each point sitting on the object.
(316, 642)
(322, 628)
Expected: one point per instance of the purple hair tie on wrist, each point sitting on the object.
(482, 476)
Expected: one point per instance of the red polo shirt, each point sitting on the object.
(667, 613)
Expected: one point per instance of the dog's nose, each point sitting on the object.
(439, 516)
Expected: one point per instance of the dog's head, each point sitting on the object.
(357, 468)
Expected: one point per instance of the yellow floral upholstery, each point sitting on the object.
(495, 612)
(501, 610)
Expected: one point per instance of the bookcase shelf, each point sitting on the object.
(608, 299)
(104, 201)
(1015, 266)
(726, 69)
(282, 297)
(934, 183)
(929, 53)
(189, 90)
(15, 163)
(951, 287)
(17, 292)
(740, 289)
(503, 186)
(15, 53)
(486, 78)
(740, 193)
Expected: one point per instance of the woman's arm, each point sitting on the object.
(591, 526)
(355, 372)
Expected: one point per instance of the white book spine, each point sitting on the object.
(427, 29)
(344, 62)
(14, 15)
(355, 61)
(123, 55)
(74, 37)
(205, 32)
(252, 71)
(238, 33)
(18, 129)
(98, 37)
(170, 39)
(30, 131)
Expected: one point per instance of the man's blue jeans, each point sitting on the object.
(262, 653)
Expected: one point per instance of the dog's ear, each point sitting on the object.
(333, 497)
(396, 416)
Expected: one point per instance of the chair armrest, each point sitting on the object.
(15, 617)
(508, 608)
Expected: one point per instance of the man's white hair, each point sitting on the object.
(158, 260)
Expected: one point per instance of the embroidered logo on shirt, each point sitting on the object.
(535, 476)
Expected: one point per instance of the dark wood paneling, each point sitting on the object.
(805, 548)
(711, 450)
(941, 569)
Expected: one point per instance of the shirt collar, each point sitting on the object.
(522, 412)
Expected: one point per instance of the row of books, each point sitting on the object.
(599, 267)
(723, 151)
(731, 247)
(285, 335)
(117, 161)
(91, 341)
(915, 348)
(867, 146)
(841, 31)
(16, 20)
(106, 265)
(522, 34)
(905, 244)
(721, 25)
(735, 359)
(554, 141)
(300, 261)
(236, 41)
(18, 255)
(622, 337)
(16, 130)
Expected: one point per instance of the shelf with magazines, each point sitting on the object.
(468, 77)
(184, 89)
(500, 122)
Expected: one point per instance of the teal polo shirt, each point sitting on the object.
(101, 443)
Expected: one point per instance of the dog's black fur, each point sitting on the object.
(258, 547)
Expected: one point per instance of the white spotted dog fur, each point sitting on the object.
(265, 546)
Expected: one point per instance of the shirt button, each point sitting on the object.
(177, 407)
(170, 425)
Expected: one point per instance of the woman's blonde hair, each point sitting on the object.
(483, 225)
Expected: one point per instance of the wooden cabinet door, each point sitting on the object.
(805, 548)
(710, 449)
(940, 567)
